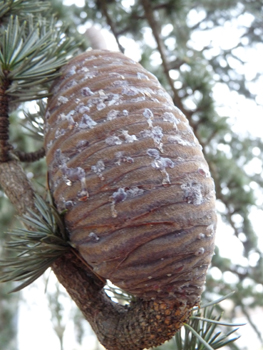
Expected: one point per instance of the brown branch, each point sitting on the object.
(4, 121)
(142, 325)
(253, 325)
(149, 14)
(16, 186)
(30, 156)
(104, 10)
(154, 26)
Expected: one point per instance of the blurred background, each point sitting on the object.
(208, 55)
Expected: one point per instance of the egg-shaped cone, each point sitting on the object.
(127, 168)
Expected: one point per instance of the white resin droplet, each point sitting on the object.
(98, 168)
(193, 193)
(101, 106)
(113, 140)
(59, 133)
(129, 138)
(204, 172)
(49, 145)
(178, 139)
(210, 230)
(142, 76)
(119, 196)
(113, 99)
(59, 158)
(130, 91)
(68, 182)
(138, 99)
(118, 83)
(94, 236)
(90, 75)
(166, 177)
(62, 99)
(86, 91)
(201, 236)
(162, 163)
(87, 122)
(69, 118)
(169, 117)
(82, 109)
(75, 174)
(122, 158)
(83, 195)
(156, 133)
(84, 69)
(148, 114)
(200, 251)
(152, 152)
(69, 204)
(134, 192)
(71, 71)
(113, 114)
(117, 75)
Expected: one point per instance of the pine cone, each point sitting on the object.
(126, 165)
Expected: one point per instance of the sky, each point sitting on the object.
(35, 331)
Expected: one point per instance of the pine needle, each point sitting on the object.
(201, 332)
(35, 249)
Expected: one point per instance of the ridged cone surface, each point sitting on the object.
(126, 165)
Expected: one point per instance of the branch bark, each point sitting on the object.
(142, 325)
(16, 186)
(149, 14)
(4, 121)
(30, 156)
(104, 10)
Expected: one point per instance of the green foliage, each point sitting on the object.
(31, 55)
(35, 248)
(34, 122)
(21, 8)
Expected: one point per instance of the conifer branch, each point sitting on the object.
(30, 156)
(252, 323)
(149, 14)
(16, 186)
(4, 121)
(30, 56)
(22, 9)
(103, 5)
(35, 248)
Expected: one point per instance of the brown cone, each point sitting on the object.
(126, 165)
